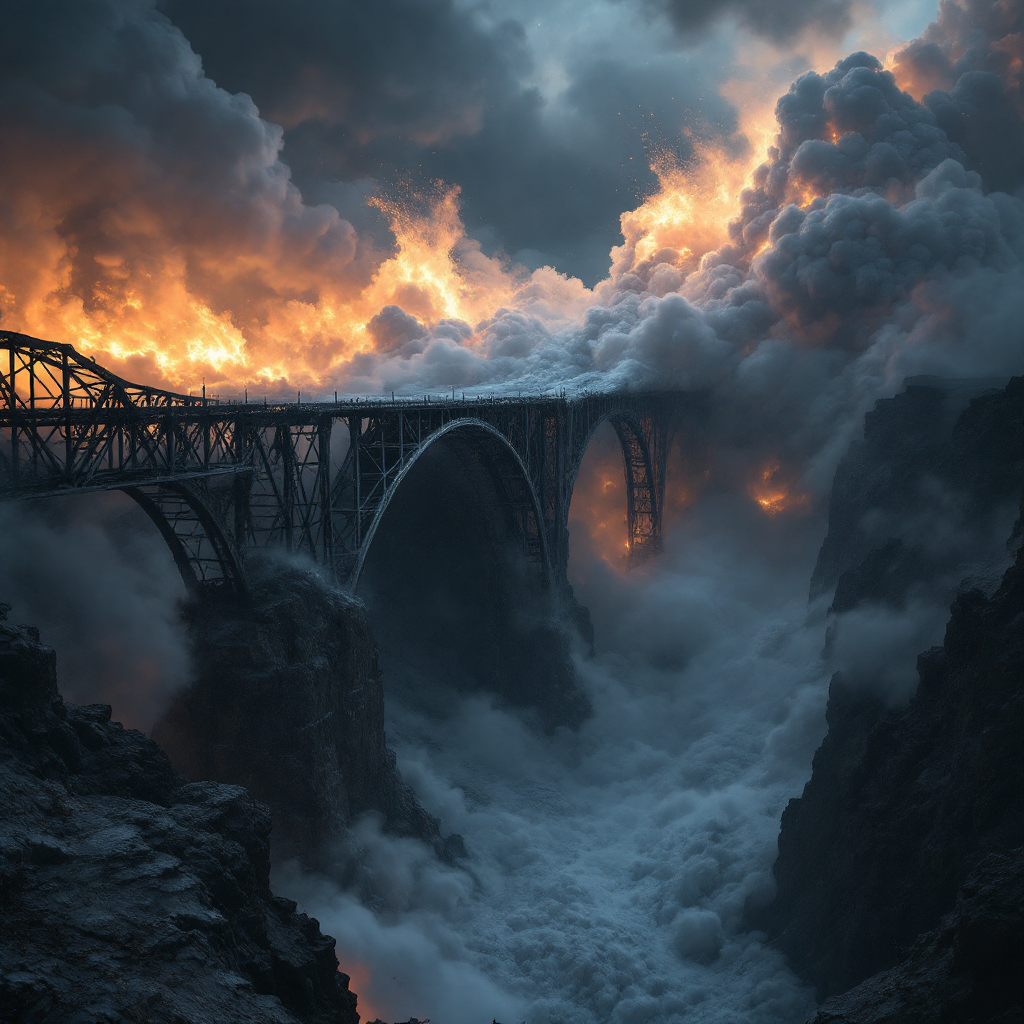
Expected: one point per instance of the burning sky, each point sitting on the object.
(249, 193)
(152, 217)
(799, 260)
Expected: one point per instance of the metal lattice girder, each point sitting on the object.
(221, 478)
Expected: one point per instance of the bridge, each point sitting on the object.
(219, 479)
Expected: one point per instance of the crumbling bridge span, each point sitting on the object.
(222, 478)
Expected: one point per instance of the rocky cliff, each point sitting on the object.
(905, 803)
(287, 700)
(128, 893)
(926, 488)
(900, 866)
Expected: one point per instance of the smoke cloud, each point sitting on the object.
(609, 869)
(93, 575)
(151, 213)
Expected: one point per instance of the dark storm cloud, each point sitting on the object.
(404, 88)
(135, 173)
(967, 65)
(777, 19)
(851, 128)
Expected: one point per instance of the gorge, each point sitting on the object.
(288, 699)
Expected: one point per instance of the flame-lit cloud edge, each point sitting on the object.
(171, 335)
(710, 248)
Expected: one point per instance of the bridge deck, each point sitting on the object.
(221, 477)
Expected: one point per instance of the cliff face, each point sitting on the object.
(967, 969)
(128, 893)
(287, 700)
(911, 501)
(905, 848)
(904, 803)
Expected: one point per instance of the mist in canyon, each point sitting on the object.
(610, 868)
(619, 800)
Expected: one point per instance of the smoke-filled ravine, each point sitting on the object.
(668, 668)
(609, 868)
(614, 871)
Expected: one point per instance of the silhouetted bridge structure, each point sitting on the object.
(221, 478)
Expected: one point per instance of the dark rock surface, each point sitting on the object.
(287, 700)
(925, 492)
(128, 893)
(916, 812)
(966, 970)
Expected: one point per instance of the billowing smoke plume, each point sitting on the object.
(149, 207)
(881, 236)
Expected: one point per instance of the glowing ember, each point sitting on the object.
(772, 494)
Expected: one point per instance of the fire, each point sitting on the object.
(437, 273)
(602, 513)
(690, 213)
(771, 492)
(146, 318)
(598, 509)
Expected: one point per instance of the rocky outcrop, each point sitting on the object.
(128, 893)
(903, 803)
(905, 849)
(287, 700)
(966, 970)
(923, 493)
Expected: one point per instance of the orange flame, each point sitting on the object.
(146, 314)
(772, 493)
(598, 509)
(360, 980)
(689, 215)
(437, 273)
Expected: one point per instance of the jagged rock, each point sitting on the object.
(966, 971)
(911, 500)
(287, 700)
(128, 893)
(904, 803)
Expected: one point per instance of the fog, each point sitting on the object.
(94, 576)
(608, 869)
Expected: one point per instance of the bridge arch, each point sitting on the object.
(479, 440)
(189, 525)
(643, 472)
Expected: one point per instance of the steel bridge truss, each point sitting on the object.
(221, 479)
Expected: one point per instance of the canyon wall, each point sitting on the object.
(900, 867)
(128, 892)
(287, 700)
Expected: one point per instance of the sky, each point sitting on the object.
(247, 194)
(789, 206)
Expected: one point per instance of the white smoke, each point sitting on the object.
(609, 869)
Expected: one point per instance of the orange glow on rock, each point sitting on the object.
(773, 493)
(360, 978)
